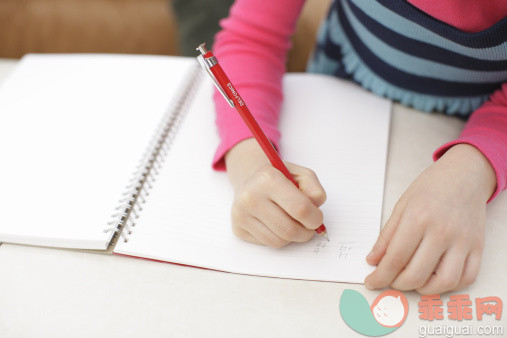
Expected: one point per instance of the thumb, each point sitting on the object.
(386, 234)
(308, 182)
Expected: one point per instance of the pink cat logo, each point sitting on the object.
(390, 308)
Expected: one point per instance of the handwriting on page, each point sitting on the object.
(344, 249)
(341, 249)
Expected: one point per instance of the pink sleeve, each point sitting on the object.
(487, 130)
(252, 49)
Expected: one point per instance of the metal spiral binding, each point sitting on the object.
(137, 190)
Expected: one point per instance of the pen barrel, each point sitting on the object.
(251, 123)
(321, 229)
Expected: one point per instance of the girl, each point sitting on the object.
(448, 56)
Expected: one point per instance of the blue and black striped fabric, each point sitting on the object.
(395, 50)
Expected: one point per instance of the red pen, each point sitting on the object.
(210, 63)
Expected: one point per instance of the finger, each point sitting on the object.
(309, 183)
(281, 224)
(245, 235)
(447, 274)
(470, 270)
(263, 234)
(422, 265)
(250, 229)
(379, 248)
(288, 197)
(400, 249)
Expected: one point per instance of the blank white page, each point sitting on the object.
(333, 127)
(72, 131)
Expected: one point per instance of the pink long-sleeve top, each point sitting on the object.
(252, 48)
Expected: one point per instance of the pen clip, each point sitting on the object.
(206, 64)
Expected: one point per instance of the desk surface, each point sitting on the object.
(59, 293)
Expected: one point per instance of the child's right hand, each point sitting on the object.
(268, 208)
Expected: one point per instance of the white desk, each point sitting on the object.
(58, 293)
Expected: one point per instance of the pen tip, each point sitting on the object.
(324, 234)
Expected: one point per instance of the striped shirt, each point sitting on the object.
(395, 50)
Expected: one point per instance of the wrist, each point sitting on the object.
(243, 160)
(470, 164)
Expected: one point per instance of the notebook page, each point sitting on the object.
(72, 131)
(331, 126)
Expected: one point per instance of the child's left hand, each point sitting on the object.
(433, 241)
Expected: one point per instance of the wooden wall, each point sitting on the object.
(116, 26)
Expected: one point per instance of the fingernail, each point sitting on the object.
(371, 253)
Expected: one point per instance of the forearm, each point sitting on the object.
(469, 171)
(486, 130)
(252, 49)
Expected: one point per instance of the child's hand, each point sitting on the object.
(433, 241)
(268, 208)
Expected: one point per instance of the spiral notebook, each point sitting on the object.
(113, 153)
